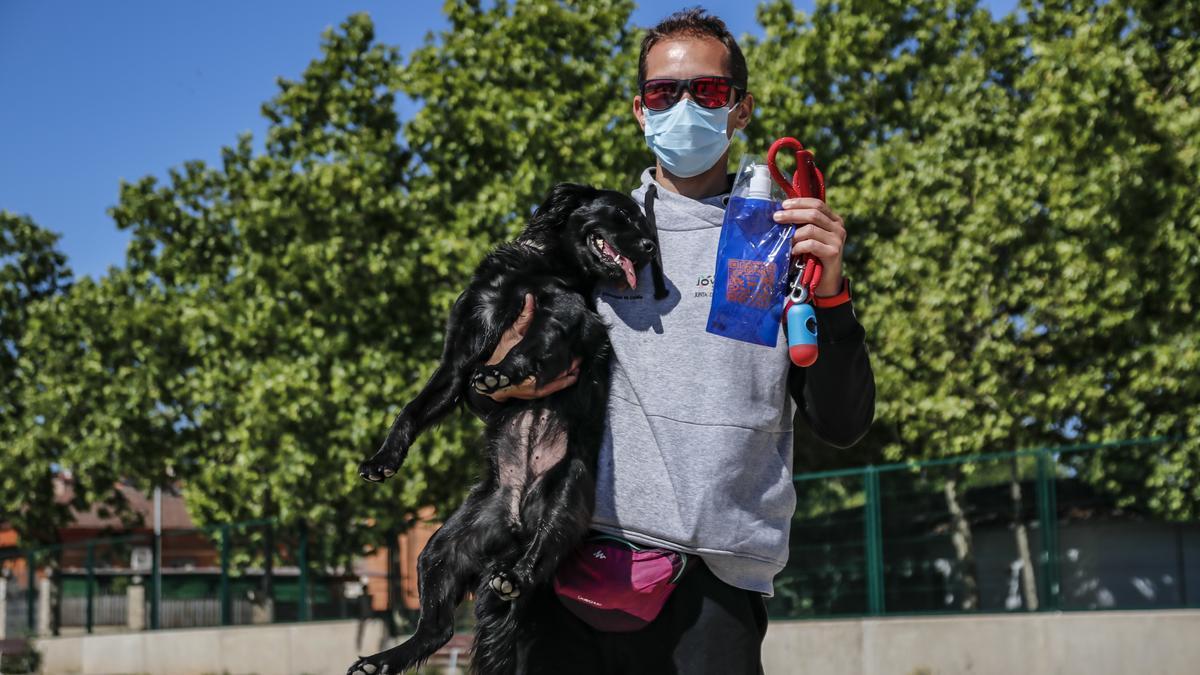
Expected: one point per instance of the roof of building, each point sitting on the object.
(174, 511)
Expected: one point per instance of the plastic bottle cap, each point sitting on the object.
(760, 183)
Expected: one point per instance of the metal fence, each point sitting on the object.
(239, 573)
(1069, 528)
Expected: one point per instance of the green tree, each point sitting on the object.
(515, 98)
(906, 106)
(306, 312)
(863, 81)
(1111, 146)
(32, 271)
(276, 310)
(1024, 231)
(1028, 241)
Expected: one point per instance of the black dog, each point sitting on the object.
(534, 505)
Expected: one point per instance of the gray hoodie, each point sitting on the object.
(697, 450)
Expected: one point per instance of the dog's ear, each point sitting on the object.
(562, 199)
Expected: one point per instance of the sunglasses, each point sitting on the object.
(708, 91)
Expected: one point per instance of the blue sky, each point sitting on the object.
(96, 92)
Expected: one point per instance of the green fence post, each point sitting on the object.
(874, 542)
(89, 616)
(155, 581)
(1181, 565)
(302, 562)
(1048, 515)
(226, 607)
(268, 580)
(30, 593)
(393, 584)
(1055, 558)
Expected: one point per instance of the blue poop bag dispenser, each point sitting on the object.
(750, 280)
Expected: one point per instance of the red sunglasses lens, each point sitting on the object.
(659, 94)
(711, 92)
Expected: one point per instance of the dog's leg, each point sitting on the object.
(437, 399)
(448, 566)
(439, 396)
(499, 628)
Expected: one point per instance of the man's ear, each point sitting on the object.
(744, 111)
(639, 112)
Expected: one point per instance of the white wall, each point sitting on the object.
(1091, 643)
(287, 649)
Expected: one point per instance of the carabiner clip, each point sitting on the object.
(798, 293)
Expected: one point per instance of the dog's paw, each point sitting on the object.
(488, 379)
(364, 666)
(378, 468)
(505, 585)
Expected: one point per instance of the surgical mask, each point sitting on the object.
(687, 139)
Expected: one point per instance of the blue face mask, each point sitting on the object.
(687, 138)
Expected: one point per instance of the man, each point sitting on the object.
(697, 454)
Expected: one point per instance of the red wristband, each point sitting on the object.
(841, 298)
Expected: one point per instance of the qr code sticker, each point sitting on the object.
(750, 283)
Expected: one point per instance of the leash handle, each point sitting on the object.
(807, 181)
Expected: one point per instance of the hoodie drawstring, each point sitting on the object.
(656, 266)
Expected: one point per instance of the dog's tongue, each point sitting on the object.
(627, 265)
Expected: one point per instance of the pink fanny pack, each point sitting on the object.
(615, 586)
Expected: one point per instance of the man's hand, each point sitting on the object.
(529, 388)
(819, 231)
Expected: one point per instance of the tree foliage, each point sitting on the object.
(32, 271)
(276, 310)
(1024, 239)
(1024, 231)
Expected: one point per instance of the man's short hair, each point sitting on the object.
(696, 23)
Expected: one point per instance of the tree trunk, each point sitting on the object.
(1028, 581)
(964, 549)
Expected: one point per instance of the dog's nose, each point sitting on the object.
(647, 246)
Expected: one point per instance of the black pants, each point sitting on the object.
(706, 627)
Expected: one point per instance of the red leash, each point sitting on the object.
(807, 181)
(798, 313)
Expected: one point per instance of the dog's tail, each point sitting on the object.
(498, 638)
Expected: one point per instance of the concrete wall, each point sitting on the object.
(315, 648)
(1092, 643)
